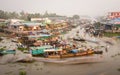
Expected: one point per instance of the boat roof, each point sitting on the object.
(52, 50)
(41, 47)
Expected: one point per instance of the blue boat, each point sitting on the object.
(8, 52)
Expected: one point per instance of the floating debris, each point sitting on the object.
(118, 69)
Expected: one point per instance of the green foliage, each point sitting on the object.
(22, 73)
(7, 15)
(3, 14)
(110, 34)
(2, 24)
(22, 49)
(3, 48)
(27, 16)
(97, 25)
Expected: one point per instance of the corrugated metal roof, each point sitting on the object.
(29, 23)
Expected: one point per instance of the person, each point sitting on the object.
(74, 46)
(54, 46)
(15, 51)
(46, 55)
(106, 48)
(30, 51)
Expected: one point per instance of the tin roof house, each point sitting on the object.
(25, 26)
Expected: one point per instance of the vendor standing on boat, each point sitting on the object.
(106, 48)
(30, 51)
(15, 51)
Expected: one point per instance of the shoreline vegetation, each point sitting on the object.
(111, 34)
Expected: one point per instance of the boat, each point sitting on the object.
(51, 52)
(59, 53)
(98, 52)
(7, 52)
(71, 54)
(39, 50)
(80, 39)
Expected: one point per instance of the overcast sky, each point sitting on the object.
(62, 7)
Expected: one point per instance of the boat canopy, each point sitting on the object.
(39, 51)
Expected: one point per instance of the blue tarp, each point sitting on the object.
(35, 52)
(74, 51)
(113, 21)
(39, 50)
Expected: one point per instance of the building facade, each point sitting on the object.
(112, 15)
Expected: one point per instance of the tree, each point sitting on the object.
(13, 15)
(76, 17)
(46, 14)
(29, 18)
(7, 15)
(97, 25)
(23, 15)
(36, 15)
(2, 14)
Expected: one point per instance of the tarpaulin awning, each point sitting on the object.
(114, 21)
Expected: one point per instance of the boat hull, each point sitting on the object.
(69, 55)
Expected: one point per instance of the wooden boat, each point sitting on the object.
(50, 52)
(68, 55)
(78, 39)
(98, 52)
